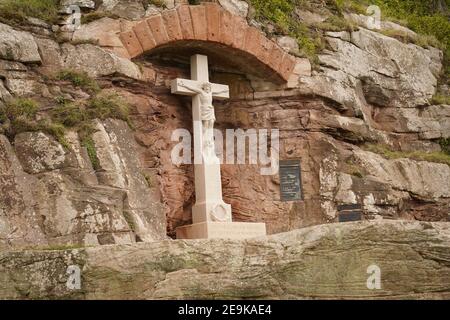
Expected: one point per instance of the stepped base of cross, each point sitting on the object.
(222, 230)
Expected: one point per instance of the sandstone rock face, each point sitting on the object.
(93, 60)
(326, 262)
(96, 61)
(389, 73)
(52, 196)
(19, 79)
(17, 45)
(128, 9)
(432, 122)
(425, 179)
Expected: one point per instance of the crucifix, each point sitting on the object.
(209, 206)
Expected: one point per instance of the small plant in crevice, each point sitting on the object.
(56, 130)
(149, 180)
(445, 145)
(79, 79)
(439, 98)
(84, 41)
(93, 16)
(130, 221)
(353, 169)
(18, 115)
(88, 143)
(79, 116)
(336, 23)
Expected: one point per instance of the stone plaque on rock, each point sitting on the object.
(290, 180)
(349, 212)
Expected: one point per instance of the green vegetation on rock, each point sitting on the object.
(21, 115)
(80, 115)
(440, 98)
(79, 79)
(445, 145)
(19, 10)
(427, 18)
(430, 19)
(95, 15)
(89, 144)
(388, 153)
(281, 14)
(18, 116)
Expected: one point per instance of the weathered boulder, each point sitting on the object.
(38, 152)
(236, 7)
(104, 31)
(19, 79)
(421, 178)
(289, 44)
(128, 9)
(17, 45)
(327, 262)
(366, 67)
(97, 61)
(431, 122)
(89, 58)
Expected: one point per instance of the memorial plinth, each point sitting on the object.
(222, 230)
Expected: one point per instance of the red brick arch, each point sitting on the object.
(212, 24)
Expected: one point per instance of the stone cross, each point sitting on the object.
(209, 206)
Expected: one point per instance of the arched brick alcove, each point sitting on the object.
(212, 30)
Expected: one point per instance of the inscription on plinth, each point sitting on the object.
(222, 230)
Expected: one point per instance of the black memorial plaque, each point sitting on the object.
(350, 216)
(290, 180)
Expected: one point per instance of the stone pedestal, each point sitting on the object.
(222, 230)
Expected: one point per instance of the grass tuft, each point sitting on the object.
(18, 115)
(440, 99)
(445, 145)
(79, 79)
(18, 10)
(388, 153)
(95, 15)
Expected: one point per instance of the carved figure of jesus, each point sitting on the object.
(208, 118)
